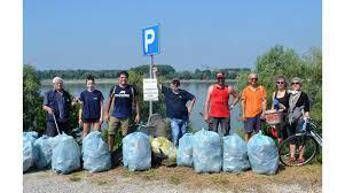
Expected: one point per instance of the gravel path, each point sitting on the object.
(156, 181)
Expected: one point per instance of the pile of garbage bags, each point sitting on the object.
(185, 151)
(136, 150)
(44, 148)
(66, 154)
(29, 152)
(95, 153)
(263, 154)
(207, 151)
(235, 158)
(162, 147)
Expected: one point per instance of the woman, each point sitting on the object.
(92, 101)
(280, 101)
(298, 111)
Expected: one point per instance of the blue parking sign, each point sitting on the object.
(150, 40)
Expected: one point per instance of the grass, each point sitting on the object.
(308, 176)
(174, 180)
(76, 176)
(150, 174)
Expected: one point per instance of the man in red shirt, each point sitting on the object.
(216, 107)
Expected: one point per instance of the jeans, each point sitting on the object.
(178, 129)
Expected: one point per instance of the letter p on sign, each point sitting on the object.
(150, 40)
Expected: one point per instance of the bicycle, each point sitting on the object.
(306, 141)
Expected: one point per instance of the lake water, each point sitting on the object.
(197, 89)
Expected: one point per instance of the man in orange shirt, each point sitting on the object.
(253, 105)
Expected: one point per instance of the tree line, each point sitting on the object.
(165, 70)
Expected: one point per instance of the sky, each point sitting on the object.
(106, 34)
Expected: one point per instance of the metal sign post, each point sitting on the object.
(151, 65)
(150, 37)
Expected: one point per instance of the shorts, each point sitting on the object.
(224, 123)
(252, 124)
(90, 120)
(116, 123)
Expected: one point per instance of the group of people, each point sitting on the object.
(122, 104)
(118, 110)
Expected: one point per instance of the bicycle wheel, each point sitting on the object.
(303, 144)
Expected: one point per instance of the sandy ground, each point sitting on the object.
(306, 179)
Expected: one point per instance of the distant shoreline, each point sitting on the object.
(110, 81)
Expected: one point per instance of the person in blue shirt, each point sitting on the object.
(118, 111)
(57, 102)
(177, 110)
(91, 101)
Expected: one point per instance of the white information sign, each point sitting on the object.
(150, 89)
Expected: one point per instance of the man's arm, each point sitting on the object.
(45, 104)
(107, 108)
(155, 76)
(137, 109)
(243, 102)
(207, 103)
(264, 103)
(191, 105)
(48, 109)
(236, 96)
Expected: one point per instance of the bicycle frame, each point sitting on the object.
(310, 132)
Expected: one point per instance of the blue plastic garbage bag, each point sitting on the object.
(263, 154)
(29, 152)
(207, 151)
(185, 150)
(32, 135)
(95, 153)
(235, 158)
(66, 154)
(44, 148)
(136, 151)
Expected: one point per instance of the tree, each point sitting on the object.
(32, 101)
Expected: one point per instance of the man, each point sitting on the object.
(253, 105)
(119, 108)
(216, 107)
(177, 110)
(57, 102)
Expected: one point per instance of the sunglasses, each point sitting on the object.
(293, 83)
(278, 82)
(254, 79)
(220, 78)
